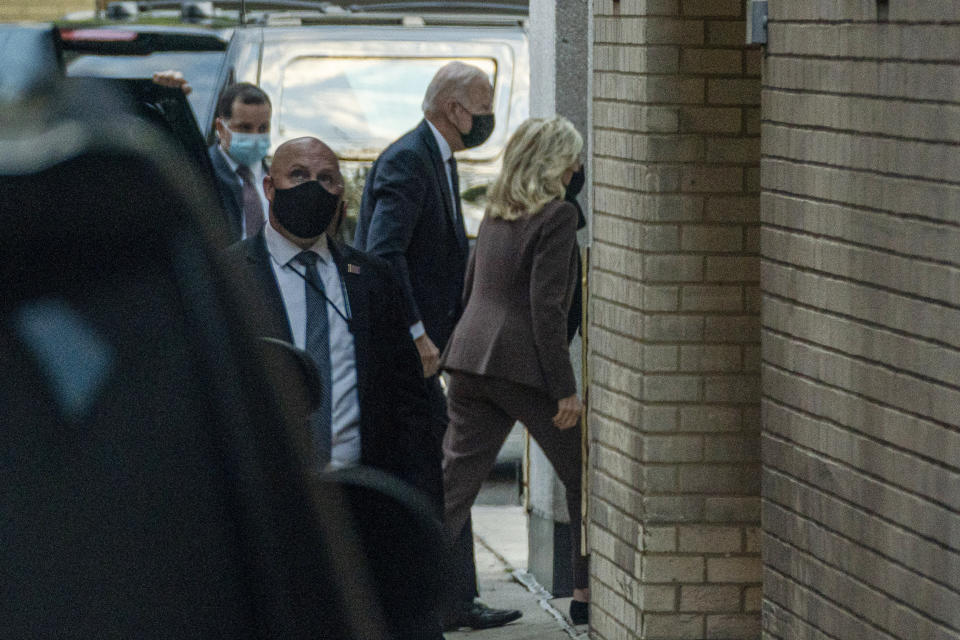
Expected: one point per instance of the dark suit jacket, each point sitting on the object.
(230, 192)
(394, 421)
(520, 282)
(407, 218)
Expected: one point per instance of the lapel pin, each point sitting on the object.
(352, 268)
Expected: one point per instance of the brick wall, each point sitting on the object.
(861, 320)
(675, 333)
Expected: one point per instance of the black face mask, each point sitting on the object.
(480, 129)
(306, 209)
(576, 184)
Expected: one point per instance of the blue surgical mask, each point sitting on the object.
(248, 148)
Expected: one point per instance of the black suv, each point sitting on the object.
(352, 76)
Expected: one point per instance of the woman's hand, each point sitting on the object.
(568, 412)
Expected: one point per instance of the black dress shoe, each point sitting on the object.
(477, 615)
(579, 612)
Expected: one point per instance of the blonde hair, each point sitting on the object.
(537, 155)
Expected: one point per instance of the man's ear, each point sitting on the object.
(268, 187)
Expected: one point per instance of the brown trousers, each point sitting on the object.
(482, 411)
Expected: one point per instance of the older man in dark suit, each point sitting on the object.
(411, 215)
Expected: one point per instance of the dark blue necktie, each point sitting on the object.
(318, 346)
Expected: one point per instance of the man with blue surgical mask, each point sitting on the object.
(243, 131)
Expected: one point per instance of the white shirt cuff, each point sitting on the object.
(417, 330)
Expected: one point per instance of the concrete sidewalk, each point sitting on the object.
(500, 534)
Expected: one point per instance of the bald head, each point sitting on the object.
(300, 150)
(298, 161)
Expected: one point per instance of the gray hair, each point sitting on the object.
(452, 81)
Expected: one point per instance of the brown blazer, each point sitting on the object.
(519, 284)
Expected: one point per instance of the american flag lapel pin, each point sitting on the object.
(352, 268)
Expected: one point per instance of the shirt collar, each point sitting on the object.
(282, 251)
(445, 151)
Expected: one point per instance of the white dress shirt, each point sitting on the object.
(258, 173)
(345, 403)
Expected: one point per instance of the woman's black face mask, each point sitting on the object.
(576, 184)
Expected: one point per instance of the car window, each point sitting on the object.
(366, 102)
(199, 67)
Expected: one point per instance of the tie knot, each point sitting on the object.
(307, 258)
(245, 173)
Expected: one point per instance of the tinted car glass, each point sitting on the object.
(366, 102)
(199, 67)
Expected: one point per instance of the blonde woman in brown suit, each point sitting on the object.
(508, 358)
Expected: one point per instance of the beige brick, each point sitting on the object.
(642, 30)
(699, 179)
(746, 627)
(711, 62)
(709, 539)
(671, 388)
(710, 418)
(703, 479)
(671, 568)
(732, 268)
(744, 151)
(711, 120)
(709, 598)
(637, 7)
(635, 119)
(670, 328)
(657, 598)
(710, 358)
(712, 8)
(674, 626)
(711, 238)
(732, 448)
(661, 298)
(731, 509)
(726, 32)
(636, 59)
(712, 298)
(732, 388)
(733, 91)
(661, 358)
(657, 539)
(732, 209)
(736, 569)
(673, 268)
(752, 599)
(659, 418)
(673, 449)
(737, 329)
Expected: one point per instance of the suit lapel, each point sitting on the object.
(259, 258)
(440, 177)
(355, 284)
(228, 178)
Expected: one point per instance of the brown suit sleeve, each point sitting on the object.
(549, 296)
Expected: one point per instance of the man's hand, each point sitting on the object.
(568, 412)
(173, 79)
(429, 355)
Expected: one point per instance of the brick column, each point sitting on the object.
(675, 303)
(861, 335)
